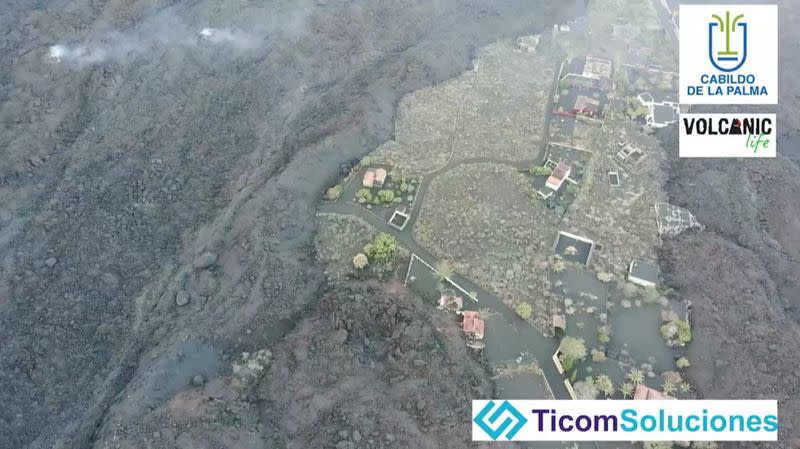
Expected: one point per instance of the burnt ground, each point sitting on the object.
(741, 276)
(743, 271)
(370, 367)
(156, 207)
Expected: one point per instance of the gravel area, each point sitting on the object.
(497, 110)
(480, 217)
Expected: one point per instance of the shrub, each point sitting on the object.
(572, 349)
(586, 389)
(443, 269)
(382, 248)
(605, 277)
(360, 260)
(558, 266)
(251, 366)
(657, 445)
(524, 310)
(677, 333)
(363, 196)
(334, 192)
(386, 196)
(572, 189)
(604, 334)
(541, 170)
(705, 445)
(682, 363)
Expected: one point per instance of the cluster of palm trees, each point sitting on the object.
(635, 377)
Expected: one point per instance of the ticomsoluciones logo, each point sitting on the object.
(606, 420)
(489, 420)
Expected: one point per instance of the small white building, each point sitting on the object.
(559, 175)
(662, 109)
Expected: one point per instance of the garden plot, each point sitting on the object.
(479, 217)
(425, 126)
(396, 193)
(495, 111)
(621, 218)
(340, 237)
(504, 114)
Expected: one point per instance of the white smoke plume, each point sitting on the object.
(165, 30)
(235, 39)
(119, 46)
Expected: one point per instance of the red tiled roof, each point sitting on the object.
(369, 178)
(561, 171)
(644, 392)
(473, 324)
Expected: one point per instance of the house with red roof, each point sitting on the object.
(472, 325)
(560, 174)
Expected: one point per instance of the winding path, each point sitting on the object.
(503, 342)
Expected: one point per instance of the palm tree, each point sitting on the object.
(570, 250)
(443, 270)
(627, 390)
(685, 387)
(668, 387)
(559, 266)
(635, 376)
(604, 384)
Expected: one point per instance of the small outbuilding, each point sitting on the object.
(380, 177)
(643, 273)
(450, 301)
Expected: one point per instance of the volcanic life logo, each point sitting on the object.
(737, 62)
(728, 135)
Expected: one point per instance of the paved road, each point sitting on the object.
(518, 336)
(666, 19)
(508, 335)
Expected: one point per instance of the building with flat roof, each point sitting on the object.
(643, 273)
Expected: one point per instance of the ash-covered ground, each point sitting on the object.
(160, 166)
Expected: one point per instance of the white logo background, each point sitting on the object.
(762, 52)
(703, 145)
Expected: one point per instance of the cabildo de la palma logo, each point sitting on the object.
(729, 54)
